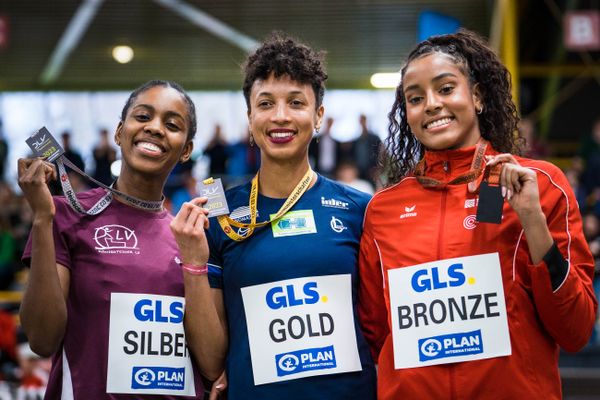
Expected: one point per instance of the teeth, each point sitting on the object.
(439, 122)
(280, 135)
(149, 146)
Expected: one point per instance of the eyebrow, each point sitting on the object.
(435, 79)
(292, 93)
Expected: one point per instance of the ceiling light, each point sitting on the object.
(122, 54)
(385, 80)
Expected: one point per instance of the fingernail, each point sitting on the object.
(503, 191)
(220, 386)
(509, 194)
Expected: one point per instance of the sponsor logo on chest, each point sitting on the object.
(471, 203)
(334, 203)
(242, 214)
(409, 212)
(337, 225)
(116, 239)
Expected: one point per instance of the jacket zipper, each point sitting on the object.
(446, 167)
(451, 368)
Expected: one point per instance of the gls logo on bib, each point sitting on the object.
(298, 325)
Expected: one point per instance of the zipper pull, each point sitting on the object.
(446, 166)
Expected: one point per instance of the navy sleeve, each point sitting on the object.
(215, 264)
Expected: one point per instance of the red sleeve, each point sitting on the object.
(568, 312)
(372, 308)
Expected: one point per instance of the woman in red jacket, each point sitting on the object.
(474, 269)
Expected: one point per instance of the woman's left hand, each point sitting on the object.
(519, 186)
(188, 228)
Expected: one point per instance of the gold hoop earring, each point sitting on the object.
(479, 111)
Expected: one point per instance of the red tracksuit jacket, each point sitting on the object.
(408, 224)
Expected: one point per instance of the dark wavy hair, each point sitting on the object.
(498, 121)
(191, 108)
(282, 55)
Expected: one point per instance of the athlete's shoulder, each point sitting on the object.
(542, 167)
(345, 192)
(239, 193)
(395, 191)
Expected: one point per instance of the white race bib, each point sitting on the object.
(147, 352)
(448, 311)
(301, 327)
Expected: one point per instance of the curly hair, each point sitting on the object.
(498, 121)
(191, 108)
(282, 55)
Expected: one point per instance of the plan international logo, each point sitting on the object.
(453, 345)
(305, 360)
(158, 378)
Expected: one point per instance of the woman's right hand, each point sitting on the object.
(188, 228)
(34, 175)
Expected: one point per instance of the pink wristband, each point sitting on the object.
(195, 269)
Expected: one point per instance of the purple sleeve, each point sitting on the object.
(63, 220)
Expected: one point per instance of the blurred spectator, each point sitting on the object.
(3, 152)
(8, 266)
(347, 173)
(589, 153)
(216, 150)
(8, 347)
(72, 155)
(104, 155)
(591, 230)
(187, 192)
(535, 147)
(176, 179)
(580, 193)
(78, 183)
(243, 161)
(590, 143)
(324, 151)
(366, 150)
(34, 370)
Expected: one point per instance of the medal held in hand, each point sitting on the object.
(489, 208)
(213, 190)
(44, 145)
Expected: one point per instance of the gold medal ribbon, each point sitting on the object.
(226, 222)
